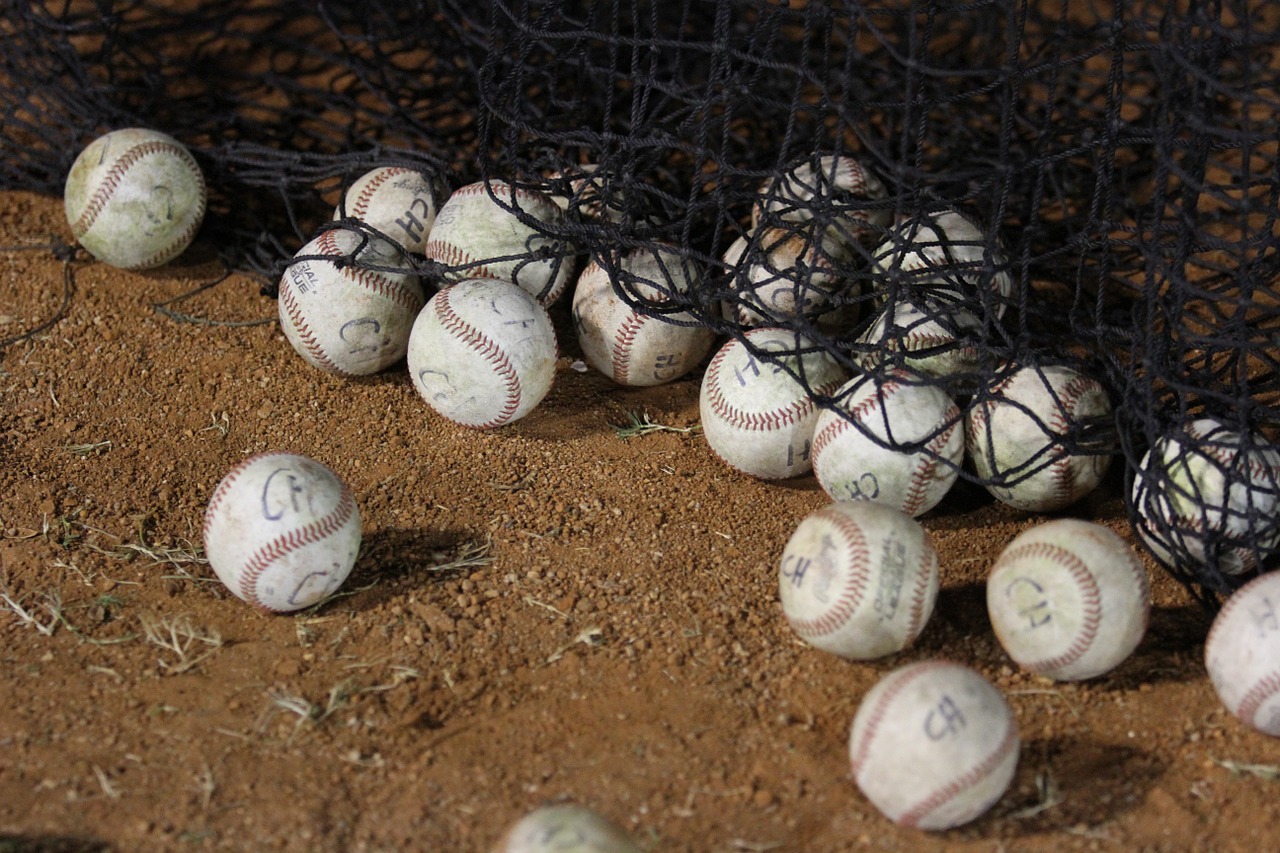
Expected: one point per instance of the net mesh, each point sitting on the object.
(1049, 183)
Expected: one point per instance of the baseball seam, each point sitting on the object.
(877, 714)
(623, 340)
(111, 181)
(963, 783)
(545, 207)
(371, 280)
(917, 488)
(454, 257)
(364, 198)
(1091, 600)
(774, 419)
(839, 424)
(1229, 457)
(220, 494)
(1262, 690)
(289, 302)
(855, 584)
(283, 545)
(920, 592)
(489, 350)
(1061, 468)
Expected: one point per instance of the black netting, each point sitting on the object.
(1098, 182)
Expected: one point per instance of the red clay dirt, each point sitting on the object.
(544, 613)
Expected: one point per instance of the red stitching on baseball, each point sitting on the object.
(919, 593)
(1091, 599)
(837, 425)
(755, 421)
(487, 349)
(1223, 455)
(305, 336)
(1222, 618)
(902, 678)
(625, 338)
(283, 545)
(1262, 690)
(1061, 467)
(111, 181)
(456, 259)
(962, 783)
(855, 583)
(361, 205)
(400, 292)
(930, 459)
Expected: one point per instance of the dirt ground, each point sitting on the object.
(545, 613)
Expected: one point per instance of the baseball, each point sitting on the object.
(565, 829)
(858, 579)
(1068, 599)
(756, 416)
(944, 252)
(892, 438)
(780, 274)
(624, 343)
(135, 198)
(1204, 496)
(933, 745)
(503, 236)
(929, 336)
(397, 201)
(1242, 654)
(350, 311)
(585, 192)
(282, 531)
(838, 185)
(1020, 435)
(482, 353)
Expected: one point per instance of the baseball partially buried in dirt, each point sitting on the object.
(135, 198)
(565, 829)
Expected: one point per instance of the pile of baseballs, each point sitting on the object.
(934, 744)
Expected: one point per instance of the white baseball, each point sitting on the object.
(135, 198)
(1203, 496)
(482, 353)
(282, 531)
(832, 186)
(944, 251)
(933, 745)
(1242, 654)
(350, 315)
(1068, 599)
(1017, 436)
(585, 192)
(756, 416)
(479, 235)
(858, 579)
(396, 200)
(624, 343)
(899, 442)
(565, 829)
(781, 273)
(931, 336)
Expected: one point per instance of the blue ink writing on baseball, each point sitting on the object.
(281, 493)
(1038, 612)
(944, 720)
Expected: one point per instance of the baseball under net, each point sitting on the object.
(1113, 166)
